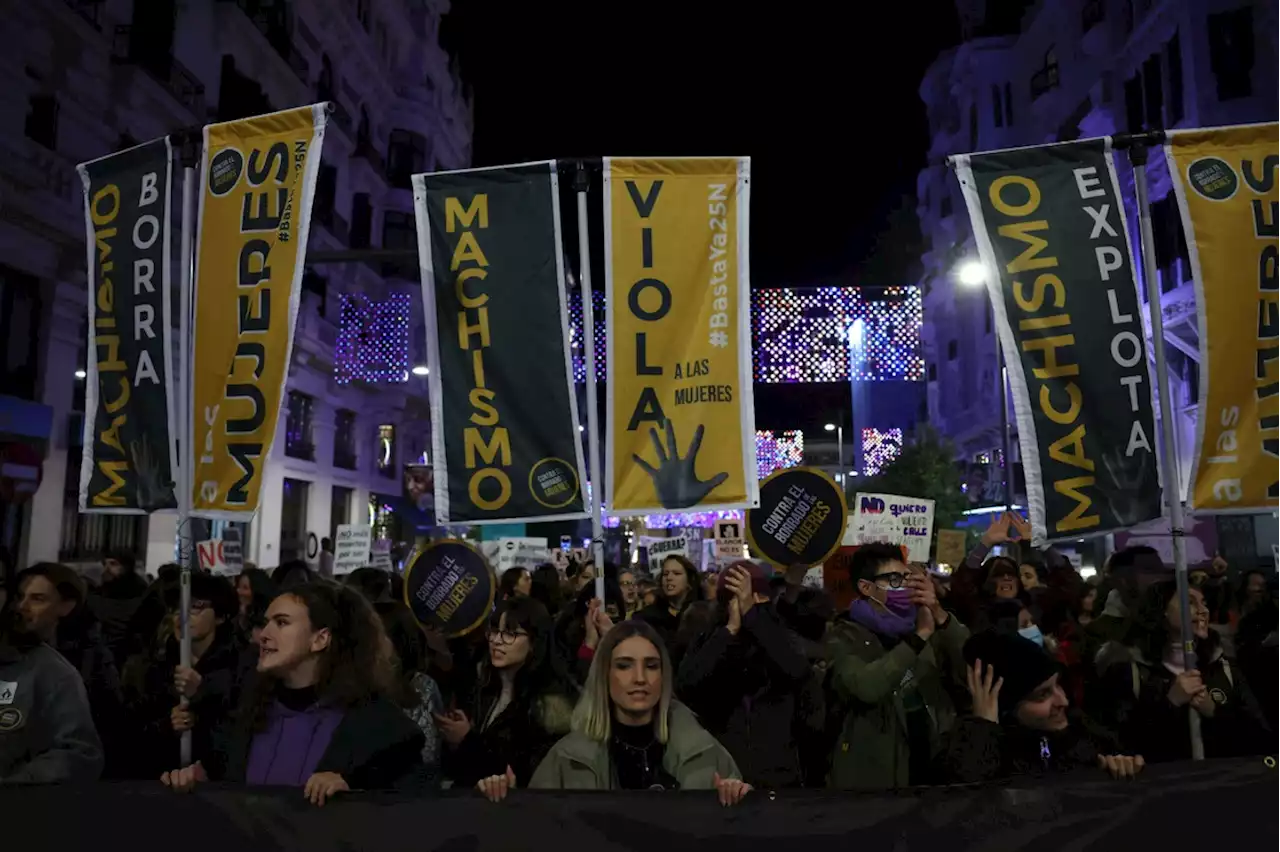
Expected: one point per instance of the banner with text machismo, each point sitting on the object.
(255, 212)
(681, 427)
(1226, 183)
(1049, 223)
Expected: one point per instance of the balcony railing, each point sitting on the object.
(1094, 12)
(299, 449)
(162, 67)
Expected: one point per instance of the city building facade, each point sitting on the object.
(1029, 73)
(89, 78)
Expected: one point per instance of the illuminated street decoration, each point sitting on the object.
(373, 340)
(879, 447)
(800, 334)
(778, 450)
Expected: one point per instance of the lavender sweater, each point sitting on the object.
(297, 735)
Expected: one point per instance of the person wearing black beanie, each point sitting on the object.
(1020, 722)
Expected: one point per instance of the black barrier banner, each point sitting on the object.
(801, 518)
(1168, 807)
(1049, 221)
(130, 457)
(504, 417)
(449, 587)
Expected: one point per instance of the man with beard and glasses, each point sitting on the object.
(891, 657)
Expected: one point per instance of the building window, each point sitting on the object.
(297, 435)
(42, 120)
(1231, 52)
(1173, 63)
(953, 349)
(362, 13)
(361, 220)
(399, 232)
(406, 156)
(944, 206)
(973, 127)
(1133, 111)
(1047, 77)
(20, 316)
(1153, 92)
(986, 321)
(324, 83)
(1008, 104)
(933, 372)
(293, 520)
(997, 108)
(387, 450)
(339, 510)
(344, 439)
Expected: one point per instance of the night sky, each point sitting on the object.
(823, 96)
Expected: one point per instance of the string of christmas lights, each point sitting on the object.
(879, 447)
(373, 340)
(801, 334)
(774, 451)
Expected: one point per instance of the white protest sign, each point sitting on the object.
(380, 554)
(729, 541)
(661, 548)
(211, 557)
(892, 519)
(351, 549)
(232, 550)
(527, 553)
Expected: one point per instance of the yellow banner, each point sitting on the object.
(255, 210)
(681, 430)
(1226, 183)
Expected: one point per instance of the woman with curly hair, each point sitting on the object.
(320, 713)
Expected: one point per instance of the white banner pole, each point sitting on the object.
(1169, 459)
(581, 182)
(186, 456)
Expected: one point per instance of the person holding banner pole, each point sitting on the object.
(581, 183)
(1137, 147)
(190, 153)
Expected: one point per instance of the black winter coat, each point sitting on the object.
(744, 689)
(979, 750)
(519, 737)
(114, 604)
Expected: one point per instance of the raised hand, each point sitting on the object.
(1021, 527)
(453, 725)
(997, 531)
(984, 687)
(675, 478)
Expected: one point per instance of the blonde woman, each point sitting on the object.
(629, 733)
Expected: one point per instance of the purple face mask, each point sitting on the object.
(898, 602)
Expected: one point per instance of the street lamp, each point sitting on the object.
(839, 430)
(421, 370)
(973, 273)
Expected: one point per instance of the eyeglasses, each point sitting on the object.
(503, 637)
(892, 580)
(628, 584)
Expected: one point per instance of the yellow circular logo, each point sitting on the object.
(553, 483)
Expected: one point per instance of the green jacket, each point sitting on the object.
(692, 757)
(872, 750)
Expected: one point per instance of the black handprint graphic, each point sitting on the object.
(1128, 474)
(675, 478)
(152, 493)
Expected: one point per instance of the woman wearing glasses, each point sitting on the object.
(892, 658)
(520, 706)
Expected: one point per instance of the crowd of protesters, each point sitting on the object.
(727, 681)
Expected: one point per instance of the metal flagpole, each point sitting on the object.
(1137, 147)
(581, 183)
(186, 281)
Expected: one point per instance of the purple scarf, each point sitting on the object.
(288, 751)
(895, 618)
